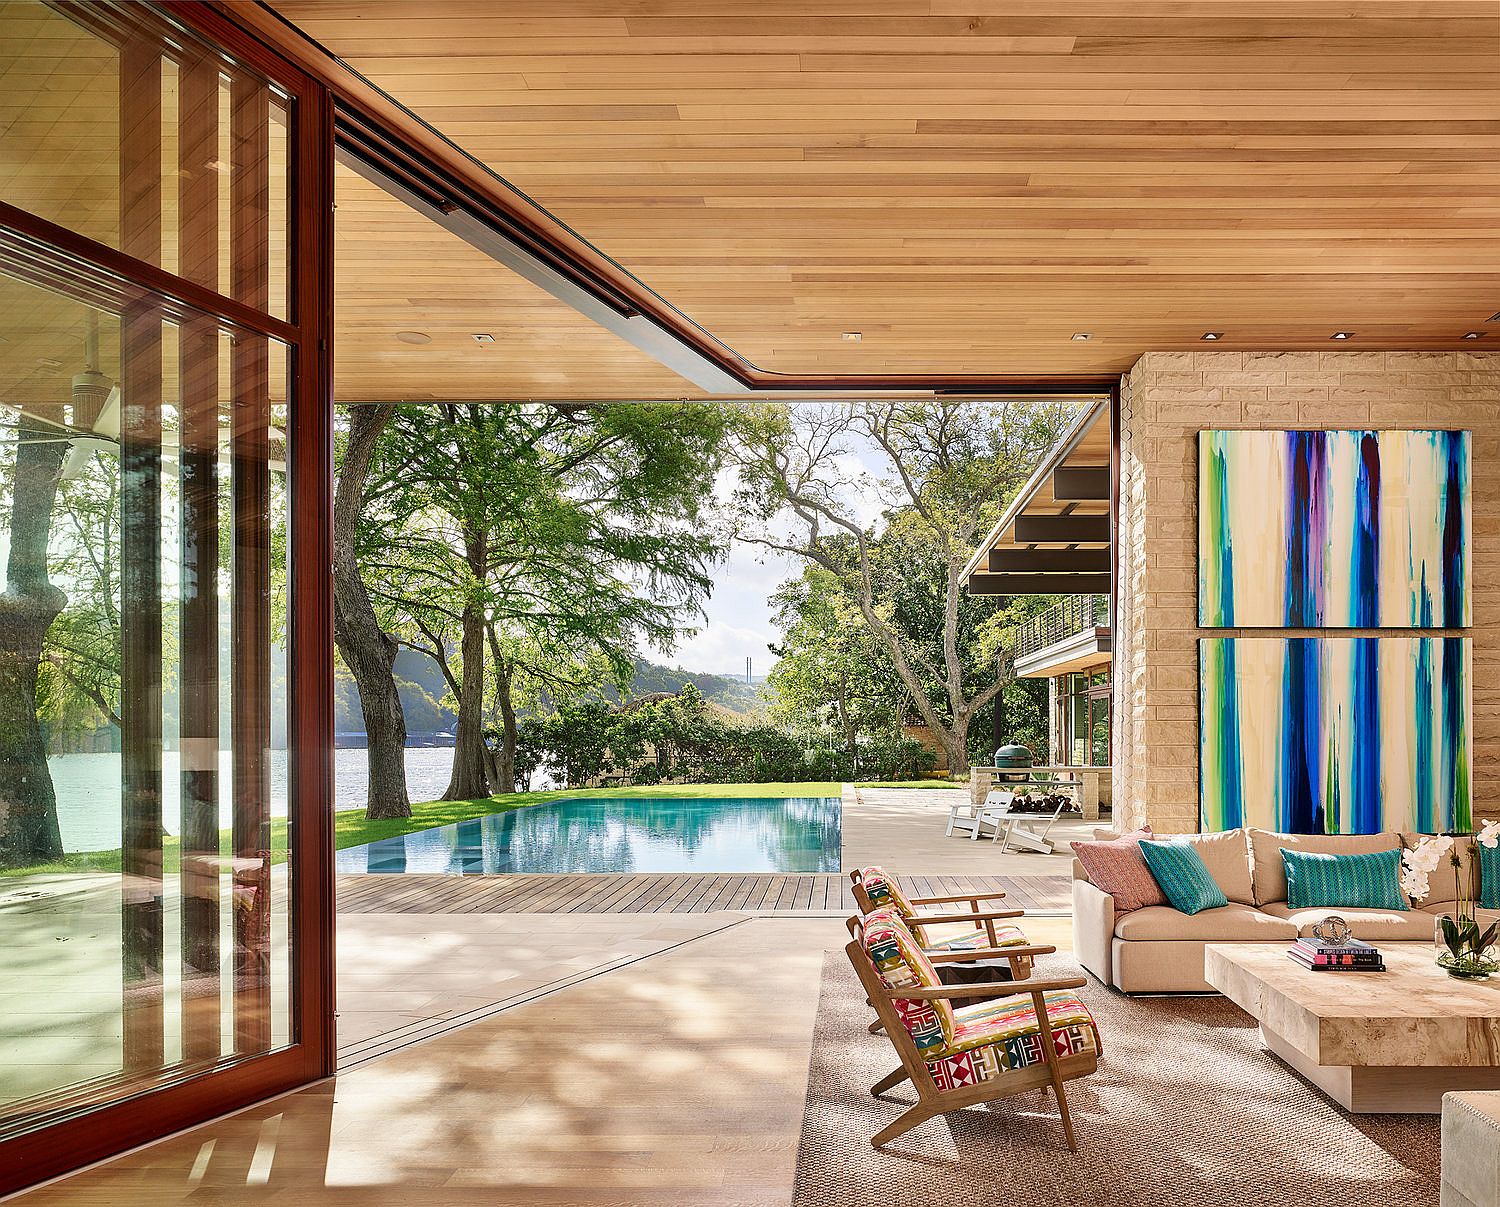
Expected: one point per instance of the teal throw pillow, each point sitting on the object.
(1183, 876)
(1489, 877)
(1369, 881)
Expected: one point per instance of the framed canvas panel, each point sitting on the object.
(1346, 529)
(1336, 735)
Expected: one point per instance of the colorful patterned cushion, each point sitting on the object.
(885, 893)
(975, 940)
(1118, 868)
(902, 964)
(1003, 1036)
(1489, 877)
(1183, 876)
(1367, 881)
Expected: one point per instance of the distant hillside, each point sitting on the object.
(421, 686)
(734, 694)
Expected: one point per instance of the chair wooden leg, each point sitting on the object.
(1062, 1107)
(914, 1117)
(894, 1078)
(876, 1027)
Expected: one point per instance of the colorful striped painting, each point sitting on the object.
(1312, 529)
(1335, 735)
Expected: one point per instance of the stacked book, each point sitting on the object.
(1352, 955)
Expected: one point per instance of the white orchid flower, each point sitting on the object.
(1489, 834)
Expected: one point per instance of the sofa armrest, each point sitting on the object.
(1093, 928)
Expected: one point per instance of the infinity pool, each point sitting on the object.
(623, 834)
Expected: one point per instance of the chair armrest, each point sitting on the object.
(987, 989)
(957, 897)
(977, 916)
(990, 953)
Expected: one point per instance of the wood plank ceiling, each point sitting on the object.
(969, 183)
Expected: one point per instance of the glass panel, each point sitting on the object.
(94, 109)
(144, 898)
(1100, 732)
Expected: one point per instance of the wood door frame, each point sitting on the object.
(68, 1138)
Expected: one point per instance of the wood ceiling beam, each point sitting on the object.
(1062, 530)
(1049, 561)
(1038, 584)
(1080, 483)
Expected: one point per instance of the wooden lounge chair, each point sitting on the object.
(874, 889)
(1038, 1037)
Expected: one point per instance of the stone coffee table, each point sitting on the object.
(1374, 1042)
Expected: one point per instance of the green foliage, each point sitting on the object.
(682, 738)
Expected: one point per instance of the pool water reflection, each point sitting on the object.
(624, 834)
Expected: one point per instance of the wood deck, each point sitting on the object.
(660, 894)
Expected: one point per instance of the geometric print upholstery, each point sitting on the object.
(885, 893)
(966, 1045)
(1005, 936)
(902, 964)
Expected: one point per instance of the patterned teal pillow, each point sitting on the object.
(1183, 876)
(1489, 877)
(1370, 881)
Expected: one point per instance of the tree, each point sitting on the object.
(949, 466)
(367, 650)
(831, 673)
(543, 542)
(29, 604)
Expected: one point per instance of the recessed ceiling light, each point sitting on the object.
(414, 337)
(1342, 335)
(852, 337)
(1211, 336)
(1494, 318)
(1473, 335)
(483, 337)
(1082, 336)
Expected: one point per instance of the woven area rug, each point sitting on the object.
(1186, 1110)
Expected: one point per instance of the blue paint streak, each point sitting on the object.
(1300, 808)
(1364, 754)
(1423, 795)
(1365, 570)
(1307, 470)
(1453, 728)
(1455, 490)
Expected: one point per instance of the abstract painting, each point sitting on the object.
(1334, 735)
(1308, 529)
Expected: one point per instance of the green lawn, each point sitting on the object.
(351, 828)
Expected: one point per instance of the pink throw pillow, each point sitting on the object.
(1119, 869)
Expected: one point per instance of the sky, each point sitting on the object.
(739, 623)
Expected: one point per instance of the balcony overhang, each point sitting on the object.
(1054, 538)
(1082, 651)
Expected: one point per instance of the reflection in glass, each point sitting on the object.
(143, 891)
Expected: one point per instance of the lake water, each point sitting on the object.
(625, 834)
(88, 789)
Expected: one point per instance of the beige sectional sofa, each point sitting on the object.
(1160, 950)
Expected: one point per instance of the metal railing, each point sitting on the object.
(1067, 618)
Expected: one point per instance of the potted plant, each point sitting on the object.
(1463, 949)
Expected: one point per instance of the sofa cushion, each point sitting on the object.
(1266, 847)
(1370, 881)
(1183, 876)
(1233, 923)
(1119, 869)
(1372, 925)
(1489, 876)
(1226, 853)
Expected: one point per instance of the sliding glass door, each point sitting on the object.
(164, 912)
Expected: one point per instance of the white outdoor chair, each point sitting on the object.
(1009, 827)
(966, 817)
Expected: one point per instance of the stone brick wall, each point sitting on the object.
(1166, 399)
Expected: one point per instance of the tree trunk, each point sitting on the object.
(469, 779)
(368, 651)
(505, 770)
(29, 832)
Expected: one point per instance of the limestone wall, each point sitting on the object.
(1166, 399)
